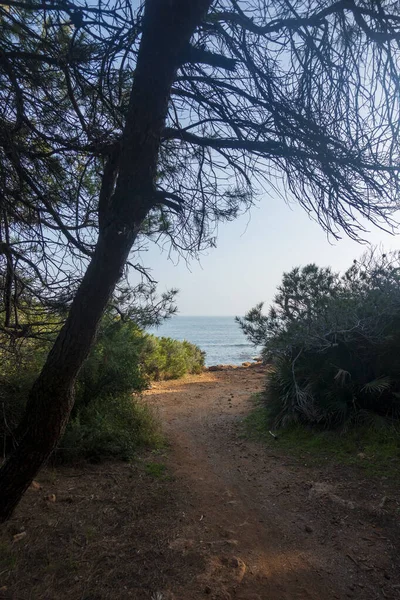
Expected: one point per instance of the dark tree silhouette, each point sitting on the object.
(118, 126)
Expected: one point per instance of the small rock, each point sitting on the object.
(239, 566)
(35, 486)
(361, 455)
(383, 502)
(3, 588)
(51, 498)
(19, 536)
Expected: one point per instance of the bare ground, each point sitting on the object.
(227, 520)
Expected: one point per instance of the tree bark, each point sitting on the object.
(167, 28)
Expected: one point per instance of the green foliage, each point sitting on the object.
(19, 367)
(156, 470)
(109, 427)
(114, 364)
(335, 344)
(106, 420)
(303, 296)
(374, 448)
(165, 358)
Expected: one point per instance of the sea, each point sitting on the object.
(219, 337)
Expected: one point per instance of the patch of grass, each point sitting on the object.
(156, 470)
(110, 427)
(375, 449)
(90, 532)
(60, 568)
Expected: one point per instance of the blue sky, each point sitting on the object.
(251, 255)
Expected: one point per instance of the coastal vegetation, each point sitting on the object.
(153, 122)
(333, 345)
(370, 450)
(109, 419)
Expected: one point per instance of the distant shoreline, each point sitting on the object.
(228, 367)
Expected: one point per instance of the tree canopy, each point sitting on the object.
(296, 97)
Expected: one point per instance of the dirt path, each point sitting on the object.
(220, 517)
(264, 527)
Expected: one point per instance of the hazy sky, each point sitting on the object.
(251, 255)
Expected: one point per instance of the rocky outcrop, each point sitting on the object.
(222, 367)
(245, 365)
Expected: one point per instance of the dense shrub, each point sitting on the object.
(194, 357)
(109, 427)
(114, 365)
(335, 344)
(19, 368)
(165, 358)
(106, 421)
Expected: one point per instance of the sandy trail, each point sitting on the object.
(260, 532)
(220, 517)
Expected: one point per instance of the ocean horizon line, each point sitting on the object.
(219, 336)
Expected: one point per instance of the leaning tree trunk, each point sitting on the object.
(167, 28)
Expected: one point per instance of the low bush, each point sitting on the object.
(109, 427)
(114, 366)
(334, 343)
(18, 371)
(165, 358)
(106, 420)
(373, 448)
